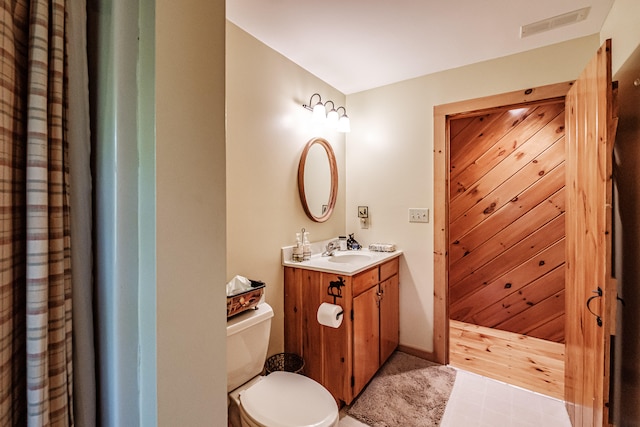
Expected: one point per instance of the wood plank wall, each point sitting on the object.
(506, 220)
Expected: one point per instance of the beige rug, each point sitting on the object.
(406, 392)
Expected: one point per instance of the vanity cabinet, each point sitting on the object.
(375, 323)
(343, 359)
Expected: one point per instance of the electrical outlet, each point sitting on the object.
(418, 215)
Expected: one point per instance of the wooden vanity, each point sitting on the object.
(343, 359)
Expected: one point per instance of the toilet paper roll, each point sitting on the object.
(330, 315)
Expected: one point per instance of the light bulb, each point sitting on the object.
(343, 124)
(319, 113)
(332, 119)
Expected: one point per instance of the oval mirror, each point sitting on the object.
(318, 179)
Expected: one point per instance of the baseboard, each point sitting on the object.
(418, 353)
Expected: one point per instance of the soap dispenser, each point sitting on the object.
(306, 246)
(297, 249)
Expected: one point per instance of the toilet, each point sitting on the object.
(281, 399)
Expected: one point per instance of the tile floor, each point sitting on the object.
(477, 401)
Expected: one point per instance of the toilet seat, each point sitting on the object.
(285, 399)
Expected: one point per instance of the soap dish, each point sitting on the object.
(382, 247)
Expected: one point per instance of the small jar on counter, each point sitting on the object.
(343, 242)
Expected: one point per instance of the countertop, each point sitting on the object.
(348, 263)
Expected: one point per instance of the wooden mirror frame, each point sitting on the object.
(333, 168)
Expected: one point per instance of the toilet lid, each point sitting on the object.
(285, 399)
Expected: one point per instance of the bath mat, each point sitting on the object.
(406, 391)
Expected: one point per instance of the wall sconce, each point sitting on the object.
(333, 118)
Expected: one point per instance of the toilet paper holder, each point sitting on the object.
(335, 290)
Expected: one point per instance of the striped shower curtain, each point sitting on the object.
(36, 312)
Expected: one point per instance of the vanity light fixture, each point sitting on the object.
(332, 118)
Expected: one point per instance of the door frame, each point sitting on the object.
(441, 159)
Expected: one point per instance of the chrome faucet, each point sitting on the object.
(331, 247)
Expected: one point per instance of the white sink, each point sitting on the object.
(350, 258)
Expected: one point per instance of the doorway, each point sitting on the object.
(506, 219)
(472, 217)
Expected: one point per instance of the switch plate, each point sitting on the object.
(418, 215)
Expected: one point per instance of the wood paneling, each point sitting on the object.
(514, 280)
(519, 301)
(523, 126)
(521, 205)
(516, 359)
(472, 249)
(506, 219)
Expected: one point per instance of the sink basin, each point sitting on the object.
(350, 258)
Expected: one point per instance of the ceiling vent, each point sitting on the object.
(555, 22)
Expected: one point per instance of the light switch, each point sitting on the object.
(418, 215)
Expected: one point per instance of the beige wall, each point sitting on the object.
(190, 212)
(390, 159)
(267, 128)
(622, 28)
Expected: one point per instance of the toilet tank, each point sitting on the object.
(247, 343)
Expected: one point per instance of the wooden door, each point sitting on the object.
(366, 337)
(389, 317)
(590, 290)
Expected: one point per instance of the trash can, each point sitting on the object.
(288, 362)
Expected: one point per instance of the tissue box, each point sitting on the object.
(245, 300)
(382, 247)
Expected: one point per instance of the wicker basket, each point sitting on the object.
(244, 301)
(288, 362)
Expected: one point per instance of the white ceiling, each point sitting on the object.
(355, 45)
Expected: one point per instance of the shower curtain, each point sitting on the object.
(47, 375)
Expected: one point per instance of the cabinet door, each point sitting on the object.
(389, 317)
(366, 338)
